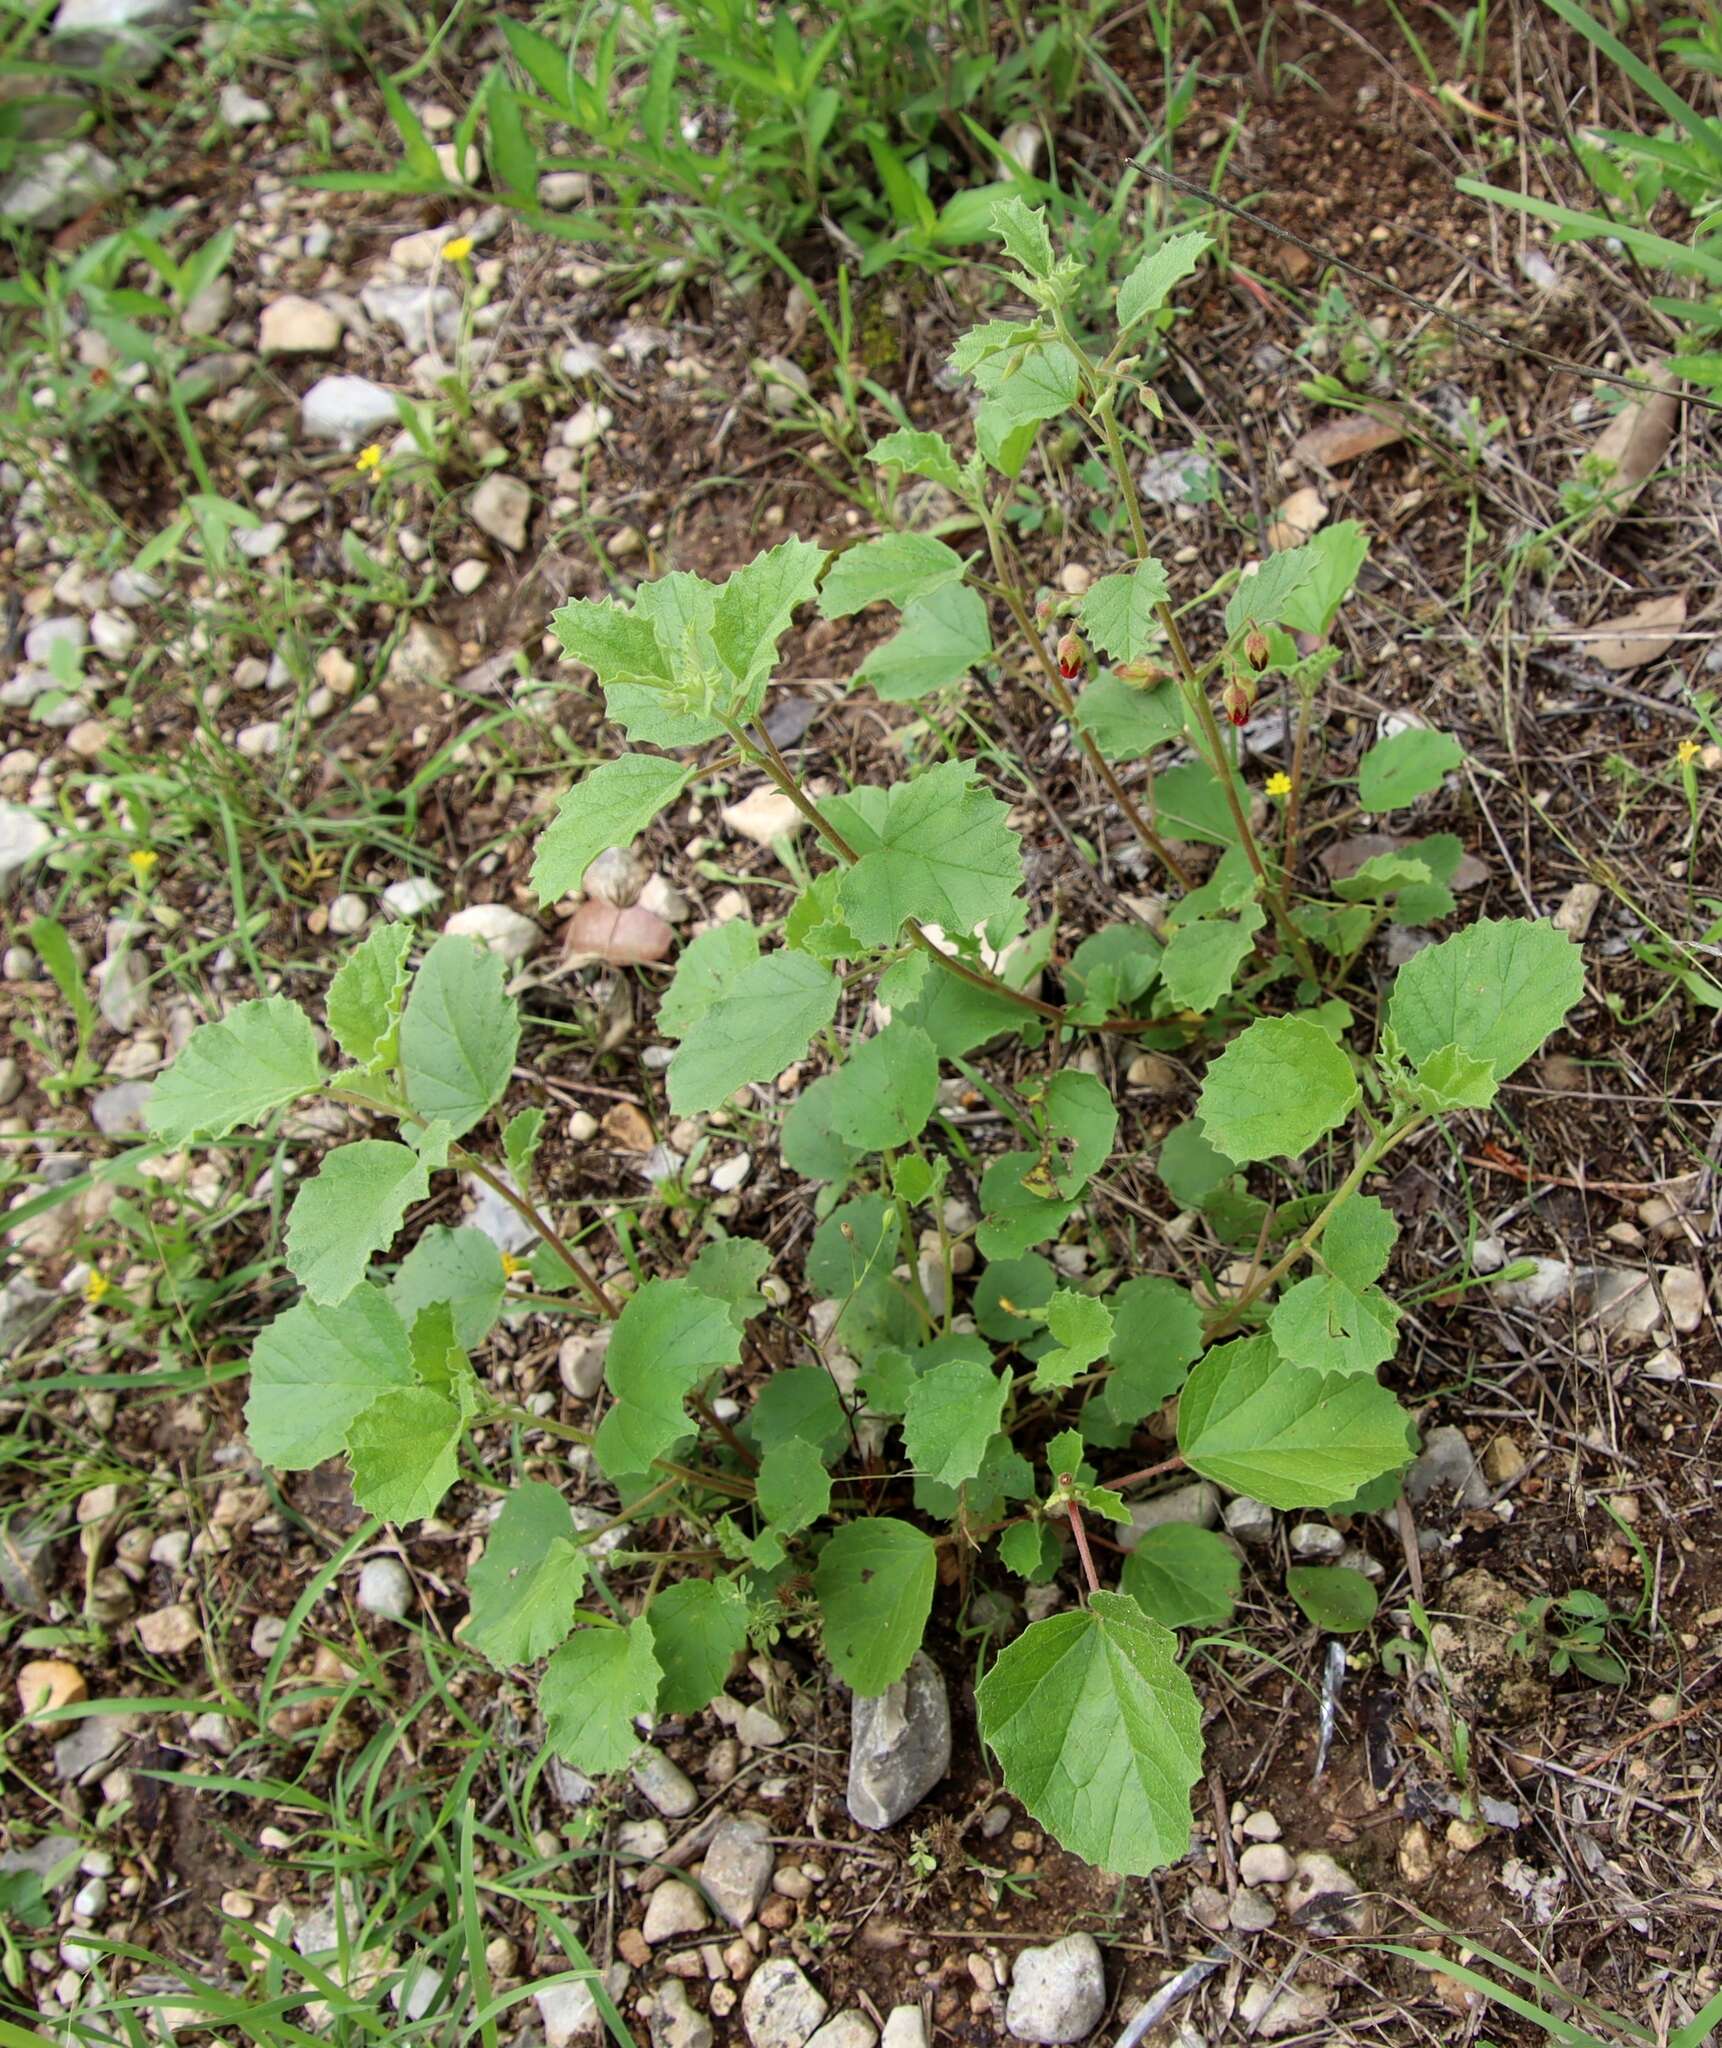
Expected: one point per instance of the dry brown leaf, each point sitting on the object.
(1636, 439)
(619, 937)
(627, 1129)
(1301, 515)
(1346, 438)
(1643, 634)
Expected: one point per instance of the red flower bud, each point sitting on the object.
(1072, 656)
(1256, 648)
(1237, 697)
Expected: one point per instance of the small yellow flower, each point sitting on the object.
(511, 1265)
(369, 458)
(96, 1288)
(1279, 783)
(1686, 753)
(142, 860)
(458, 250)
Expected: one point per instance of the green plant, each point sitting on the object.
(1613, 2029)
(1569, 1630)
(1634, 173)
(720, 136)
(783, 1518)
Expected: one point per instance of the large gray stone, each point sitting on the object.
(1057, 1993)
(1197, 1504)
(780, 2008)
(346, 409)
(1446, 1466)
(899, 1745)
(129, 36)
(738, 1866)
(23, 835)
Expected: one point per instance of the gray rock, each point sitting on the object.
(780, 2008)
(847, 2030)
(386, 1588)
(1265, 1863)
(1250, 1521)
(55, 187)
(346, 409)
(580, 1363)
(120, 1109)
(348, 915)
(664, 1784)
(1446, 1466)
(89, 1746)
(738, 1867)
(23, 836)
(899, 1745)
(24, 1308)
(500, 1221)
(905, 2027)
(569, 2012)
(47, 635)
(501, 507)
(675, 2021)
(1057, 1993)
(509, 934)
(1197, 1504)
(411, 897)
(1316, 1539)
(1324, 1895)
(674, 1909)
(1251, 1913)
(425, 317)
(240, 110)
(128, 36)
(27, 1542)
(54, 1859)
(1550, 1283)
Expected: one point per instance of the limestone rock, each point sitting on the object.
(295, 326)
(780, 2008)
(501, 507)
(1057, 1993)
(347, 410)
(738, 1866)
(900, 1745)
(385, 1588)
(50, 189)
(126, 36)
(506, 933)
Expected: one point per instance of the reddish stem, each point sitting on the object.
(1082, 1549)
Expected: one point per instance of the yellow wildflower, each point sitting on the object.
(458, 250)
(369, 458)
(142, 860)
(96, 1288)
(1686, 753)
(511, 1265)
(1279, 783)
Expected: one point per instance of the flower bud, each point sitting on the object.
(1143, 675)
(1043, 611)
(1256, 648)
(1237, 697)
(1072, 656)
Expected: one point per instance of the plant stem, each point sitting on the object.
(1195, 697)
(601, 1298)
(1060, 692)
(1082, 1549)
(1366, 1162)
(1172, 1464)
(713, 1482)
(768, 758)
(1294, 802)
